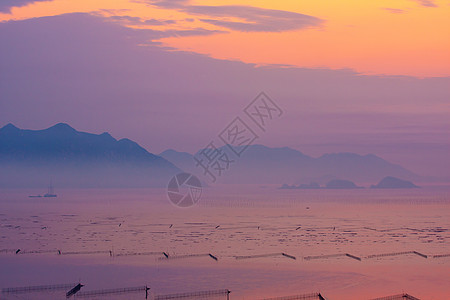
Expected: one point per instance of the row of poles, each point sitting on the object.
(75, 291)
(166, 255)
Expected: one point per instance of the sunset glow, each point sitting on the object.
(401, 37)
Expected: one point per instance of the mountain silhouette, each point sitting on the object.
(264, 165)
(31, 158)
(77, 159)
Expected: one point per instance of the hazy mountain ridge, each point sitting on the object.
(261, 164)
(80, 159)
(77, 159)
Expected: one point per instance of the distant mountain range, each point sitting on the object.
(32, 158)
(69, 158)
(263, 165)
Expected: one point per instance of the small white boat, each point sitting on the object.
(50, 193)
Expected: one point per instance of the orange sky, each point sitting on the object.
(355, 34)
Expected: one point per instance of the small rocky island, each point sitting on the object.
(390, 182)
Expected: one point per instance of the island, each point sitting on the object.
(390, 182)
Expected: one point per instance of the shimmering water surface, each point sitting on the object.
(116, 238)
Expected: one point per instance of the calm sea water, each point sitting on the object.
(233, 223)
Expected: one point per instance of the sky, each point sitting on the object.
(350, 76)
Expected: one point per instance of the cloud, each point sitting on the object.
(255, 19)
(167, 3)
(190, 32)
(139, 21)
(6, 5)
(159, 22)
(127, 19)
(252, 19)
(426, 3)
(394, 10)
(158, 34)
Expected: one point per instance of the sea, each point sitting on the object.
(255, 241)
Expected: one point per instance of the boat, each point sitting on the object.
(50, 193)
